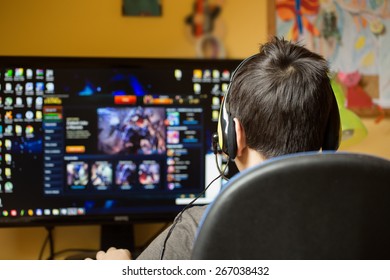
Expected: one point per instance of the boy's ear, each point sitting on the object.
(240, 136)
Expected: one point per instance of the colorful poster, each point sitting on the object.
(353, 35)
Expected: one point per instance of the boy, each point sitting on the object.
(279, 102)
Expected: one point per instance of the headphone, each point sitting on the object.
(224, 140)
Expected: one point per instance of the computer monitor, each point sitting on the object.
(106, 140)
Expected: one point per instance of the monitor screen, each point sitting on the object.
(100, 140)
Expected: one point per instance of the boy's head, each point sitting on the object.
(282, 101)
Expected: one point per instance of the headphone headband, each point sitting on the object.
(226, 131)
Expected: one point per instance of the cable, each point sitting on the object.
(43, 247)
(51, 242)
(222, 172)
(178, 217)
(217, 150)
(49, 239)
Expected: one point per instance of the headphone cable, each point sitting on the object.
(178, 217)
(221, 172)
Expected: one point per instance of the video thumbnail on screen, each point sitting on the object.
(77, 173)
(135, 130)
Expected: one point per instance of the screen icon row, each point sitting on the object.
(28, 73)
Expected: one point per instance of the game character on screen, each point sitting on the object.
(131, 130)
(126, 174)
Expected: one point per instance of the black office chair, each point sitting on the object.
(305, 206)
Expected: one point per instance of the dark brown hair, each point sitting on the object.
(282, 97)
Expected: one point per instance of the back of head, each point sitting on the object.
(284, 100)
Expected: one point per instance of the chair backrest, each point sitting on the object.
(304, 206)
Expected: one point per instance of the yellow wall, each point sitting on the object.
(96, 28)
